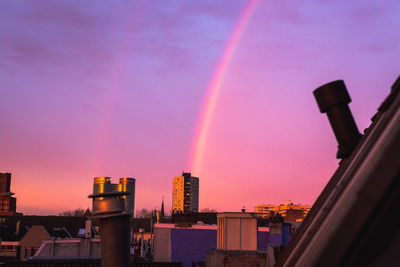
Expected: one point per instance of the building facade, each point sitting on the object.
(8, 204)
(190, 243)
(289, 211)
(265, 210)
(9, 250)
(185, 194)
(126, 184)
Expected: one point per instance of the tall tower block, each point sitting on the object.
(185, 194)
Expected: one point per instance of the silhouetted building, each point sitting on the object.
(189, 243)
(33, 239)
(126, 184)
(15, 241)
(8, 204)
(185, 194)
(194, 218)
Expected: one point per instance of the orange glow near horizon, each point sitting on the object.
(148, 89)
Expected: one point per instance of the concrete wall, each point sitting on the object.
(191, 245)
(162, 245)
(237, 231)
(262, 240)
(279, 235)
(70, 248)
(65, 249)
(236, 259)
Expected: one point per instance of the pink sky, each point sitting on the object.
(102, 88)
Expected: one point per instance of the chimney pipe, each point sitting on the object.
(333, 99)
(114, 230)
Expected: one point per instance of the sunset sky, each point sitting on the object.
(148, 89)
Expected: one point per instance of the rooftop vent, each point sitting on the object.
(333, 99)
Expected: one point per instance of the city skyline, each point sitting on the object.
(125, 89)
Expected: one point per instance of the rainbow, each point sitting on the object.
(214, 89)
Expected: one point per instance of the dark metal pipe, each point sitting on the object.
(114, 228)
(333, 99)
(115, 244)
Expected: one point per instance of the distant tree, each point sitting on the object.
(208, 210)
(144, 213)
(77, 212)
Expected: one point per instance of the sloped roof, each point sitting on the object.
(58, 232)
(358, 202)
(57, 226)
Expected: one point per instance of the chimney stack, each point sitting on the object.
(333, 99)
(114, 228)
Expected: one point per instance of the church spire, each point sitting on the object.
(162, 209)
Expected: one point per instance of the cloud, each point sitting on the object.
(92, 38)
(54, 35)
